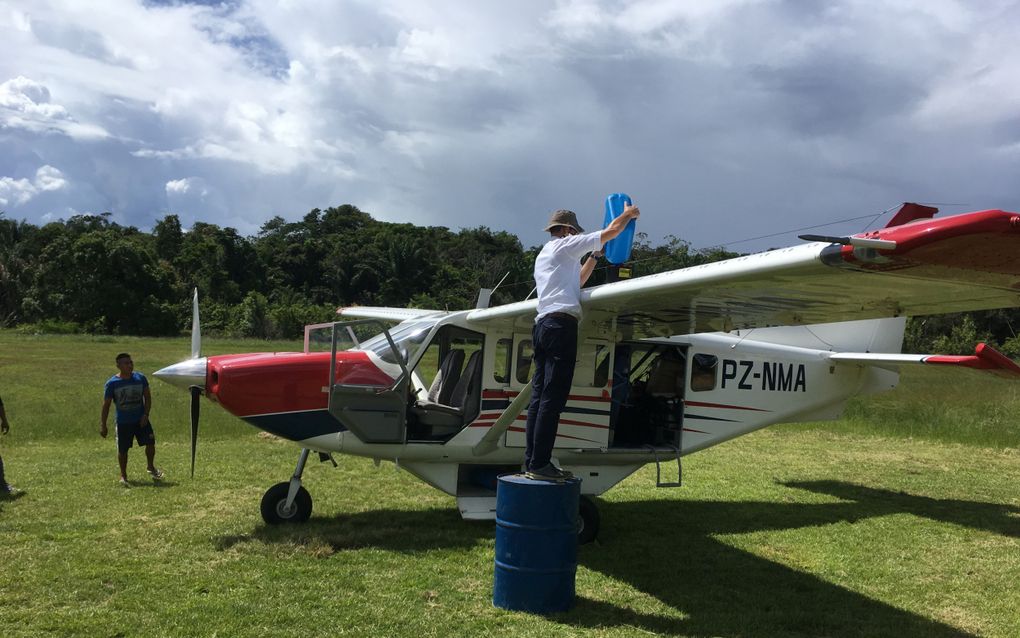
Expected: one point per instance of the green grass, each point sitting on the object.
(845, 529)
(955, 406)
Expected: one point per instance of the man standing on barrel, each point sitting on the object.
(559, 275)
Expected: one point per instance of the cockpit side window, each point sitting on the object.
(704, 369)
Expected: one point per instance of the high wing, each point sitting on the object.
(387, 314)
(925, 266)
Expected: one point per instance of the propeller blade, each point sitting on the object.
(196, 329)
(196, 394)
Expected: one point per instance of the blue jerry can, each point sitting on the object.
(618, 250)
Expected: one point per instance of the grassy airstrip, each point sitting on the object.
(901, 520)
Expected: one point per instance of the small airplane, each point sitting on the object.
(668, 364)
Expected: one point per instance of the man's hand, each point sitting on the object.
(631, 211)
(103, 430)
(144, 421)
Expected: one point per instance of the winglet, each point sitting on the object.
(985, 357)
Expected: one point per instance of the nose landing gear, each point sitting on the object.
(288, 502)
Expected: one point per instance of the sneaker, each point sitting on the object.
(9, 490)
(549, 473)
(156, 474)
(124, 482)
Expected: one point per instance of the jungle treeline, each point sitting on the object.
(89, 274)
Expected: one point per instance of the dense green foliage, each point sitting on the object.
(90, 274)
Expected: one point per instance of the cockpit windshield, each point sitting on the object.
(408, 336)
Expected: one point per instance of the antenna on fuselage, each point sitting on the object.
(485, 294)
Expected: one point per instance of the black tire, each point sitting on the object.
(273, 511)
(588, 521)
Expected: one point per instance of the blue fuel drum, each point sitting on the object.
(536, 544)
(618, 250)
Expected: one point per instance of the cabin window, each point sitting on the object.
(501, 369)
(524, 354)
(704, 369)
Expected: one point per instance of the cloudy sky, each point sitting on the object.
(725, 120)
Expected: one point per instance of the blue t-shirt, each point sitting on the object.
(128, 396)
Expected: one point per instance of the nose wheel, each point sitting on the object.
(288, 502)
(276, 510)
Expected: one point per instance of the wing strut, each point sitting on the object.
(491, 439)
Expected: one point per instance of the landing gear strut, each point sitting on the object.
(288, 502)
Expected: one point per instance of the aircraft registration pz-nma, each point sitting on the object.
(668, 364)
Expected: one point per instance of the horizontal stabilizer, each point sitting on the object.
(985, 358)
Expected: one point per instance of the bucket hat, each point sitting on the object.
(563, 218)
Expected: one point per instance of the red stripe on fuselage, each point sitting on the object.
(723, 406)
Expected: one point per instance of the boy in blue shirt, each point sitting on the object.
(129, 391)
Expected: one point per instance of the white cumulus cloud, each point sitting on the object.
(19, 191)
(178, 186)
(26, 104)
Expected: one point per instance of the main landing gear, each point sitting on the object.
(288, 502)
(588, 521)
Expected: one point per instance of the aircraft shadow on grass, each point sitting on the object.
(668, 549)
(392, 530)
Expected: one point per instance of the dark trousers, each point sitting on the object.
(555, 343)
(3, 481)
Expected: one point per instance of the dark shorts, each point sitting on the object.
(127, 433)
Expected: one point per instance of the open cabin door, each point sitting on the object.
(649, 381)
(371, 402)
(447, 384)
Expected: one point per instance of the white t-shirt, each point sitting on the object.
(558, 273)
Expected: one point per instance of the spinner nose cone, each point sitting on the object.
(185, 374)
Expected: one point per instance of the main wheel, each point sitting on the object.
(588, 521)
(274, 505)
